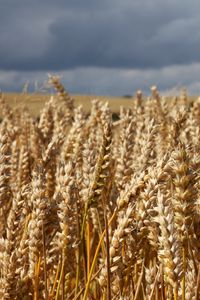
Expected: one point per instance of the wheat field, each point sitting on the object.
(92, 208)
(35, 101)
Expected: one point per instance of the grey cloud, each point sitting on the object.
(100, 81)
(60, 35)
(108, 47)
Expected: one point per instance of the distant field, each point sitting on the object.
(35, 102)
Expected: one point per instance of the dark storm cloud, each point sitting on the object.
(60, 35)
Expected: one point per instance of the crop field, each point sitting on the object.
(35, 102)
(97, 208)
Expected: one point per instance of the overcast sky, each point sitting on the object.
(108, 47)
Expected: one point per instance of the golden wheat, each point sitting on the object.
(92, 208)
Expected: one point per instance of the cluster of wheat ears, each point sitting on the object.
(92, 208)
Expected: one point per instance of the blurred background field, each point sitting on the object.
(35, 102)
